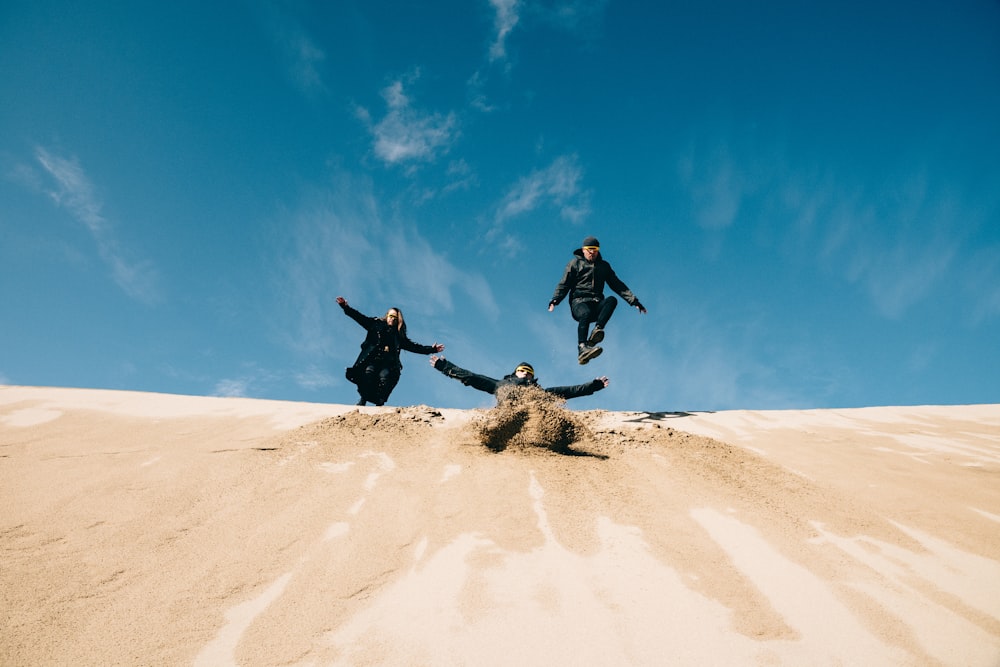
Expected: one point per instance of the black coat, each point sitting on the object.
(490, 385)
(584, 281)
(382, 345)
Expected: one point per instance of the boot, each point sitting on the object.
(588, 352)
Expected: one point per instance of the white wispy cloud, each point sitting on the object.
(579, 17)
(314, 378)
(232, 388)
(341, 244)
(898, 276)
(716, 183)
(505, 19)
(406, 134)
(896, 237)
(476, 91)
(304, 58)
(897, 240)
(460, 176)
(693, 353)
(715, 362)
(298, 52)
(558, 186)
(982, 283)
(72, 190)
(252, 379)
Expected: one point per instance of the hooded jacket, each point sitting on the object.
(490, 385)
(584, 281)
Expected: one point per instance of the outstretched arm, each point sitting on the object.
(564, 286)
(363, 320)
(575, 391)
(615, 283)
(410, 346)
(468, 378)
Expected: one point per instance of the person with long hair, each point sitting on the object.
(378, 367)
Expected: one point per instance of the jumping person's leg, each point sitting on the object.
(368, 384)
(604, 313)
(585, 312)
(387, 380)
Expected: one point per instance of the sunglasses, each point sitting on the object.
(591, 247)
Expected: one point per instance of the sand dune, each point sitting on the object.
(147, 529)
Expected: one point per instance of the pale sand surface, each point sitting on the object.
(147, 529)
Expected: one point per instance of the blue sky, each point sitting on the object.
(805, 196)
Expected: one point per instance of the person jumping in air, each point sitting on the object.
(523, 376)
(584, 280)
(377, 368)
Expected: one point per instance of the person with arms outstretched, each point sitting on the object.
(584, 280)
(378, 367)
(523, 376)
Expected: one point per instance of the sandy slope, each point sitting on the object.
(145, 529)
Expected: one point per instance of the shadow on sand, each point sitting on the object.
(662, 416)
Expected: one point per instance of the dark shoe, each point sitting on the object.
(596, 336)
(361, 402)
(587, 353)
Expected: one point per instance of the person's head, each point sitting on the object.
(394, 318)
(524, 371)
(591, 248)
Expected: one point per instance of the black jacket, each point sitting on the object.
(584, 281)
(490, 386)
(383, 343)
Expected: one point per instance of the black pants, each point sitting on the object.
(377, 382)
(585, 312)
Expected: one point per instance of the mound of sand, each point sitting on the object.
(527, 417)
(148, 529)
